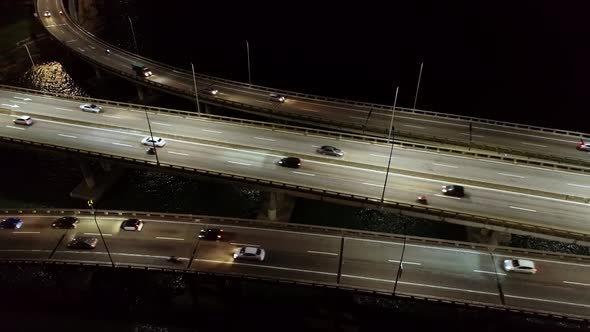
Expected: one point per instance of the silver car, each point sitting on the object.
(91, 108)
(330, 151)
(520, 266)
(250, 253)
(24, 120)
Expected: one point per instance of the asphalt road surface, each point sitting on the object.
(560, 285)
(254, 152)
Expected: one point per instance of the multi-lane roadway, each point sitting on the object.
(250, 151)
(314, 110)
(370, 262)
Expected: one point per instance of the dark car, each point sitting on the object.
(210, 91)
(211, 234)
(83, 242)
(65, 222)
(132, 225)
(11, 223)
(330, 151)
(276, 97)
(291, 162)
(453, 190)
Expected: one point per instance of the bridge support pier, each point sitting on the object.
(71, 6)
(278, 207)
(106, 165)
(272, 206)
(97, 73)
(87, 173)
(140, 93)
(97, 180)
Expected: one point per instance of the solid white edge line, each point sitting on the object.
(545, 300)
(266, 266)
(169, 238)
(523, 209)
(576, 283)
(489, 272)
(322, 253)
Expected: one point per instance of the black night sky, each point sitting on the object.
(521, 61)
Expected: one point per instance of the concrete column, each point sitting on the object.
(97, 73)
(272, 206)
(72, 10)
(88, 173)
(140, 95)
(106, 165)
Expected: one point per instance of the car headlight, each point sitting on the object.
(235, 255)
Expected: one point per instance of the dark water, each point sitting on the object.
(522, 61)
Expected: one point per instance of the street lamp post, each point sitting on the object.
(418, 86)
(152, 138)
(91, 204)
(30, 57)
(133, 34)
(196, 93)
(400, 267)
(248, 54)
(391, 133)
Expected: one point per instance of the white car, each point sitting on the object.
(24, 120)
(91, 108)
(47, 13)
(250, 253)
(151, 141)
(520, 266)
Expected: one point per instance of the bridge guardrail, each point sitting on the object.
(357, 200)
(568, 166)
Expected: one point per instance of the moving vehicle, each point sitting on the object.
(290, 162)
(47, 13)
(24, 120)
(11, 223)
(211, 234)
(520, 266)
(210, 91)
(132, 225)
(453, 190)
(422, 200)
(153, 141)
(141, 70)
(250, 253)
(65, 222)
(83, 242)
(330, 151)
(276, 97)
(582, 146)
(91, 108)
